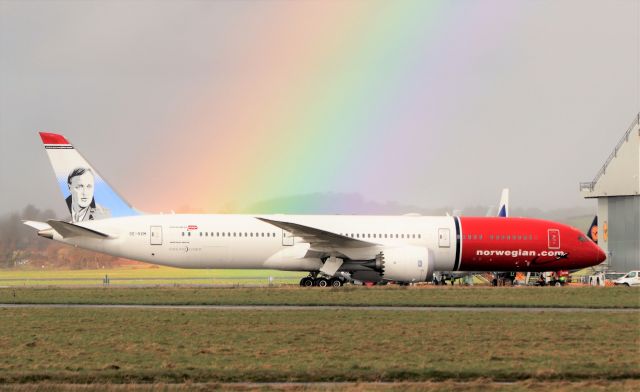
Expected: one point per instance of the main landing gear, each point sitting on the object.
(314, 280)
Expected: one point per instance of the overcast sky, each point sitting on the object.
(214, 104)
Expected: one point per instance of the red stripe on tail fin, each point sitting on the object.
(53, 138)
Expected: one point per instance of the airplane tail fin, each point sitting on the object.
(593, 230)
(87, 194)
(503, 210)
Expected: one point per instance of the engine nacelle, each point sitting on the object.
(407, 264)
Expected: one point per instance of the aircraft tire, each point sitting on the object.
(306, 282)
(322, 282)
(335, 282)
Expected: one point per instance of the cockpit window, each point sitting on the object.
(582, 238)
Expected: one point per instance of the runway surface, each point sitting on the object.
(328, 307)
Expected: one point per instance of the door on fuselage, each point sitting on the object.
(156, 235)
(287, 238)
(554, 239)
(444, 238)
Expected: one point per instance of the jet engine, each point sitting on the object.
(407, 264)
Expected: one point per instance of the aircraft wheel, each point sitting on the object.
(558, 284)
(306, 282)
(322, 282)
(335, 282)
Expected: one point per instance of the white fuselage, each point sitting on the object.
(243, 241)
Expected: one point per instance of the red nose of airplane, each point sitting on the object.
(601, 256)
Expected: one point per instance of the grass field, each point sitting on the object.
(144, 346)
(75, 349)
(583, 297)
(146, 275)
(480, 385)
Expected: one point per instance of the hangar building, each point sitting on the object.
(617, 188)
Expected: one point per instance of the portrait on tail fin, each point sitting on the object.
(81, 202)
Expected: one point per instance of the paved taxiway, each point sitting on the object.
(331, 307)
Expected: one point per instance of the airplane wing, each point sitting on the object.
(66, 230)
(327, 242)
(317, 236)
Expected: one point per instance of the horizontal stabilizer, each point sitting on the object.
(37, 225)
(67, 230)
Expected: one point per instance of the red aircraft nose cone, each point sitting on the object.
(601, 255)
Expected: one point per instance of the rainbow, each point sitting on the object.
(319, 94)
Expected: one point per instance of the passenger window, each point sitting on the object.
(419, 236)
(491, 236)
(183, 233)
(206, 234)
(480, 237)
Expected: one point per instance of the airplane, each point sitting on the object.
(467, 276)
(333, 249)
